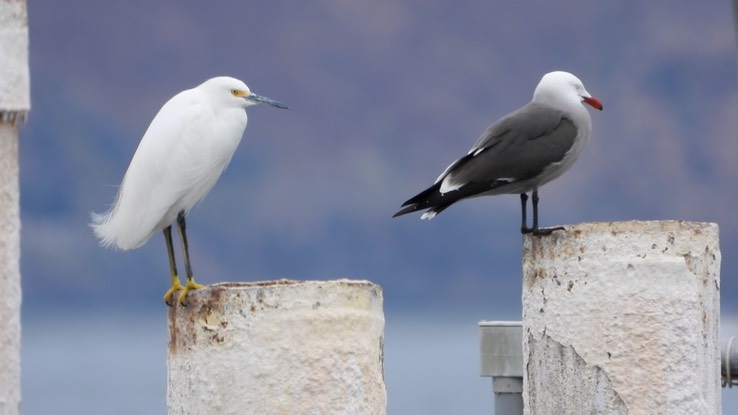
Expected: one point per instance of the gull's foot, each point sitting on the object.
(176, 286)
(191, 285)
(541, 231)
(546, 231)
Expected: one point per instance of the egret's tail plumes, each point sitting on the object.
(101, 225)
(109, 232)
(112, 231)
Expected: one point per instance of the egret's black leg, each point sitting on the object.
(536, 230)
(176, 284)
(181, 227)
(191, 284)
(524, 209)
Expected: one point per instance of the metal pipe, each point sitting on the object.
(729, 366)
(501, 357)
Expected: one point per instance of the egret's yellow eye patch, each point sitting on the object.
(240, 92)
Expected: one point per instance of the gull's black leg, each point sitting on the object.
(176, 284)
(524, 209)
(536, 230)
(191, 284)
(535, 210)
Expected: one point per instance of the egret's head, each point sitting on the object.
(563, 86)
(234, 92)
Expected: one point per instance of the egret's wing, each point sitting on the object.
(155, 179)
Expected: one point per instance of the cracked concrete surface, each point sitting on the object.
(622, 318)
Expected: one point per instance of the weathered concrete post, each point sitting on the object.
(14, 106)
(622, 318)
(279, 347)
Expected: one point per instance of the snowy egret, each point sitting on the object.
(179, 159)
(519, 153)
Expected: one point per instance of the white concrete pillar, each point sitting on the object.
(14, 106)
(278, 347)
(10, 287)
(622, 318)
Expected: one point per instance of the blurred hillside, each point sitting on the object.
(383, 95)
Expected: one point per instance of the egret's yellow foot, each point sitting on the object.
(191, 285)
(176, 286)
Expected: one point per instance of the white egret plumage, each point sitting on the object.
(519, 153)
(180, 157)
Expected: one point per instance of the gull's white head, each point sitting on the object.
(233, 92)
(561, 87)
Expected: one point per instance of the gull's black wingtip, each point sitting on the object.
(409, 209)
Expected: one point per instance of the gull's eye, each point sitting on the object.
(234, 92)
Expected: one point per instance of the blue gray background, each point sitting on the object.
(383, 96)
